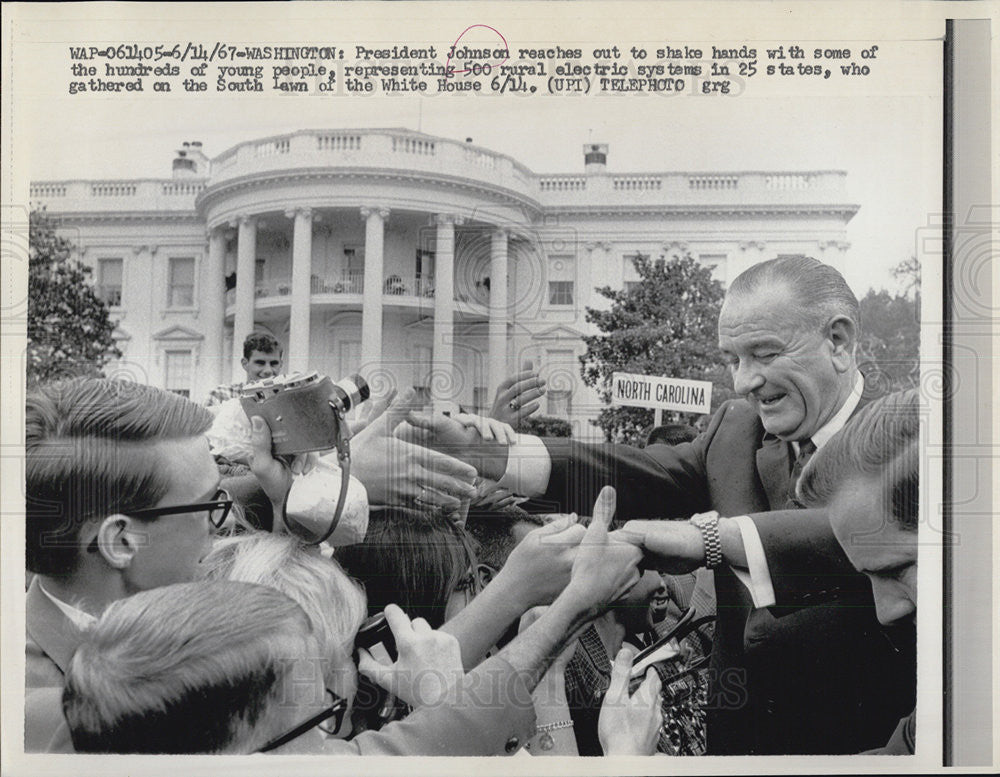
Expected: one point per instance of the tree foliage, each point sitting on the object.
(889, 349)
(545, 426)
(69, 329)
(665, 325)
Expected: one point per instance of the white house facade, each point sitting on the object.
(415, 260)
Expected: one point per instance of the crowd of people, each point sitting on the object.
(749, 589)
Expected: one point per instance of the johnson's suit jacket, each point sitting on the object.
(813, 674)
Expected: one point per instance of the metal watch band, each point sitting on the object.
(553, 726)
(708, 525)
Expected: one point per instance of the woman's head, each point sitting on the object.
(413, 559)
(333, 602)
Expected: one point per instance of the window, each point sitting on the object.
(560, 292)
(563, 359)
(109, 281)
(259, 266)
(355, 257)
(558, 403)
(629, 273)
(560, 373)
(425, 262)
(631, 286)
(177, 372)
(562, 275)
(181, 283)
(425, 273)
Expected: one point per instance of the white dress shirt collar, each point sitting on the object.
(82, 620)
(822, 436)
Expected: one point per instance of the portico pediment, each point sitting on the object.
(558, 332)
(177, 333)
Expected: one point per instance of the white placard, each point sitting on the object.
(686, 396)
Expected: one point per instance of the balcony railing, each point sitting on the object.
(347, 282)
(816, 188)
(273, 288)
(148, 194)
(353, 282)
(408, 286)
(397, 150)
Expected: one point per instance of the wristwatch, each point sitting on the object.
(708, 525)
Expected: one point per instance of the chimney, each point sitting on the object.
(184, 166)
(595, 157)
(191, 161)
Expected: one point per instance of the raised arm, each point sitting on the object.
(536, 572)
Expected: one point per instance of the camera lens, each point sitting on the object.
(350, 392)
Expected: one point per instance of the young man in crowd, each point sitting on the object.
(868, 480)
(122, 496)
(261, 359)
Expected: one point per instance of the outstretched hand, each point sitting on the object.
(488, 428)
(605, 568)
(517, 396)
(630, 725)
(446, 435)
(395, 471)
(675, 547)
(541, 564)
(428, 667)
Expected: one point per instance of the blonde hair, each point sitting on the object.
(335, 604)
(189, 668)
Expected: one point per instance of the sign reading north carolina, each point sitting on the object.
(686, 396)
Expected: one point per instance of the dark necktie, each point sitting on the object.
(806, 449)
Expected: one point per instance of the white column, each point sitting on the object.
(214, 305)
(443, 382)
(298, 325)
(246, 281)
(498, 313)
(371, 307)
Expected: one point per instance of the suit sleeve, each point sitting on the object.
(807, 565)
(660, 481)
(493, 715)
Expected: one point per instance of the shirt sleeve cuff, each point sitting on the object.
(528, 467)
(757, 576)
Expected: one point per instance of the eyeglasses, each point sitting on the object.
(218, 509)
(335, 709)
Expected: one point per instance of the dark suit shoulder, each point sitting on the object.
(735, 417)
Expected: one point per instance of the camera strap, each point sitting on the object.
(344, 460)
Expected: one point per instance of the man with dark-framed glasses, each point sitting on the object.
(122, 495)
(221, 666)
